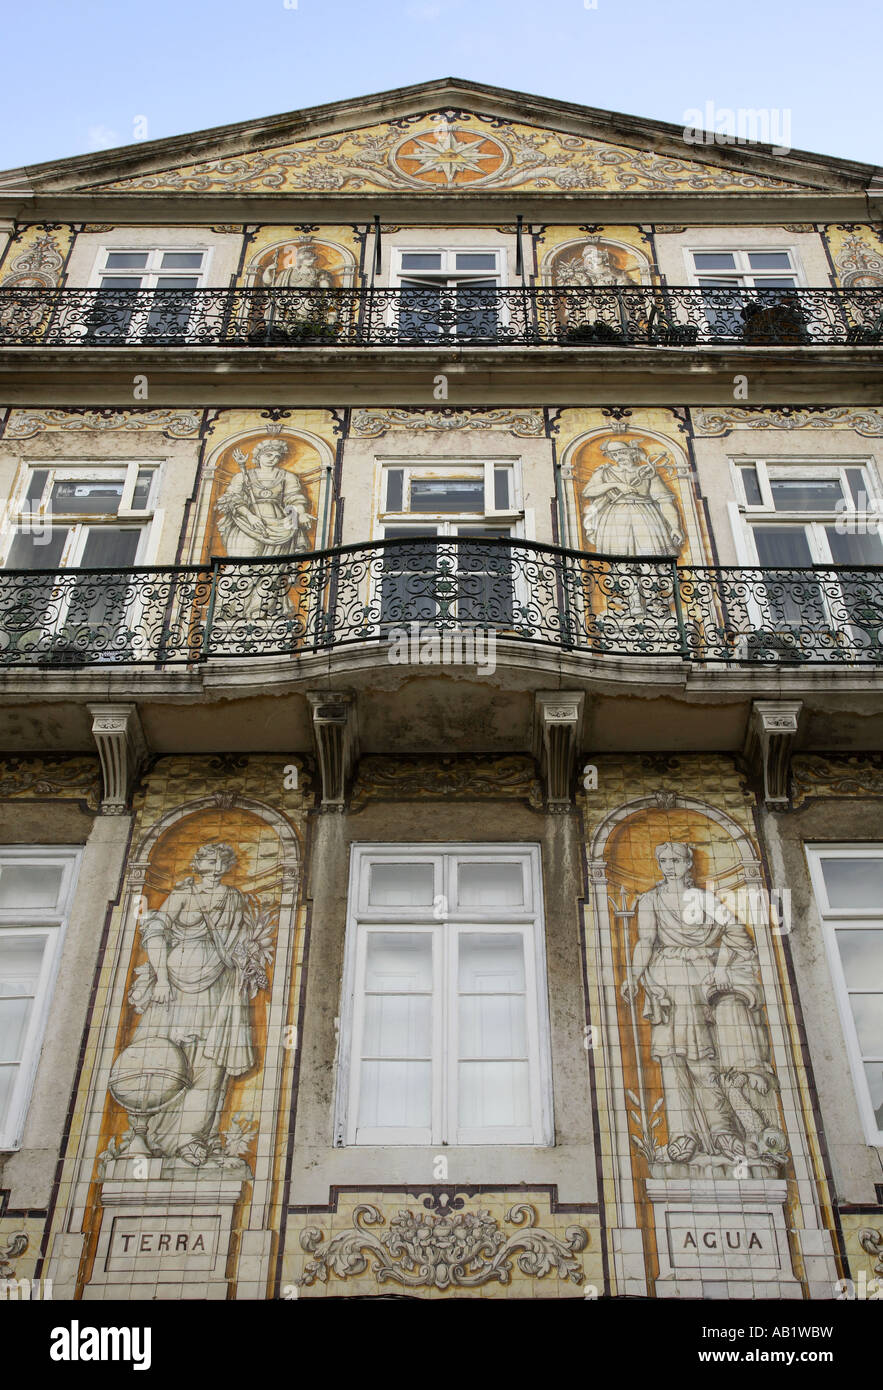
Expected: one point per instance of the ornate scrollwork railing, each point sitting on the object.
(397, 591)
(624, 315)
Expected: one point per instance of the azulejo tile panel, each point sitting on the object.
(193, 1039)
(443, 1243)
(444, 151)
(836, 775)
(51, 779)
(690, 987)
(711, 1175)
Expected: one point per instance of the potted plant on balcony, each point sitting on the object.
(777, 321)
(596, 331)
(768, 644)
(307, 331)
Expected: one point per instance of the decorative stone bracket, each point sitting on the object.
(769, 743)
(122, 749)
(335, 726)
(557, 721)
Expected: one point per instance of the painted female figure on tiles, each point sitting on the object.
(595, 265)
(631, 510)
(263, 512)
(297, 267)
(698, 970)
(207, 950)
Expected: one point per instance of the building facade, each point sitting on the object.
(441, 657)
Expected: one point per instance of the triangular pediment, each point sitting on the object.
(443, 137)
(446, 151)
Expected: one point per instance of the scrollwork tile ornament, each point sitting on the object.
(445, 151)
(818, 775)
(370, 424)
(38, 267)
(720, 421)
(859, 265)
(176, 424)
(16, 1246)
(468, 777)
(871, 1241)
(443, 1250)
(63, 778)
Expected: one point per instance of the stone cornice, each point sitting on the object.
(614, 207)
(404, 377)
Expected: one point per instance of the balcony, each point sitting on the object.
(541, 597)
(619, 316)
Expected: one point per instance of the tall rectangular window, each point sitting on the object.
(749, 293)
(476, 501)
(96, 520)
(848, 885)
(796, 516)
(146, 293)
(444, 1022)
(151, 268)
(36, 888)
(448, 292)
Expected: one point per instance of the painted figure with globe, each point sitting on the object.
(207, 951)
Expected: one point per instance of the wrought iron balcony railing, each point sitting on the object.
(627, 316)
(382, 592)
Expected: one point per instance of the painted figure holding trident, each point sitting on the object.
(703, 999)
(264, 512)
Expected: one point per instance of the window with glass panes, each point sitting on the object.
(444, 1022)
(795, 516)
(82, 516)
(169, 273)
(738, 268)
(811, 514)
(84, 519)
(36, 888)
(448, 291)
(848, 885)
(476, 502)
(163, 268)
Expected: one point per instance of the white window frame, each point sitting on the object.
(527, 920)
(745, 515)
(514, 519)
(153, 269)
(52, 924)
(448, 277)
(143, 304)
(855, 919)
(448, 280)
(21, 514)
(743, 277)
(455, 470)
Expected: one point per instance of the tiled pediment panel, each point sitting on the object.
(446, 151)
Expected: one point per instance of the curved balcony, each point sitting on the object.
(604, 316)
(461, 593)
